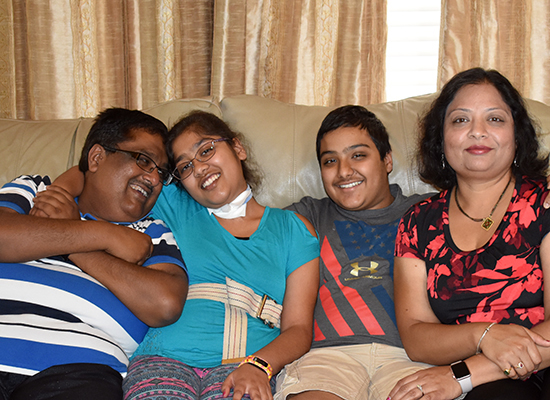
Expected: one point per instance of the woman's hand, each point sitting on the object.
(429, 384)
(55, 202)
(250, 380)
(514, 349)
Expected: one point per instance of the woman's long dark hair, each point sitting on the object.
(432, 165)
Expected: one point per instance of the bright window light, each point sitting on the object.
(413, 46)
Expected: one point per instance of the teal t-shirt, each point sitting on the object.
(280, 245)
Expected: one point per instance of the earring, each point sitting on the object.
(443, 161)
(516, 162)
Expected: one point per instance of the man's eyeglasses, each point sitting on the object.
(146, 163)
(203, 154)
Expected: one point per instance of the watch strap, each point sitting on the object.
(259, 363)
(465, 381)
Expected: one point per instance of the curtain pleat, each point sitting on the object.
(7, 56)
(72, 58)
(328, 52)
(512, 36)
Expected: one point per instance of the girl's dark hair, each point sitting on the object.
(431, 164)
(208, 125)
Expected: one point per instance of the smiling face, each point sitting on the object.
(217, 181)
(116, 189)
(479, 139)
(353, 174)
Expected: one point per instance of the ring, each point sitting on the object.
(507, 371)
(520, 365)
(420, 387)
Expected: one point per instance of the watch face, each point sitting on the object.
(460, 370)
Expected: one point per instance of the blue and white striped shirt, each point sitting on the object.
(53, 313)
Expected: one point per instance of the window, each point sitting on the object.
(413, 46)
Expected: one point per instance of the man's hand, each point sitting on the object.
(120, 241)
(128, 244)
(55, 202)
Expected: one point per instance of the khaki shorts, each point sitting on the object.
(357, 372)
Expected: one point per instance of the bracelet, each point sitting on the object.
(260, 363)
(478, 350)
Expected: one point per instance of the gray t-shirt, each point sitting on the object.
(355, 301)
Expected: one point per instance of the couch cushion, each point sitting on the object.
(540, 113)
(35, 147)
(281, 138)
(172, 111)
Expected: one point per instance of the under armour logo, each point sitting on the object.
(356, 268)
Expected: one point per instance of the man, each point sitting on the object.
(356, 351)
(79, 290)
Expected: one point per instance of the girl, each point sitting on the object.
(245, 261)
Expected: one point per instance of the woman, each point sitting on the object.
(232, 246)
(470, 261)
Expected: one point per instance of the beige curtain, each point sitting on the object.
(512, 36)
(322, 52)
(71, 58)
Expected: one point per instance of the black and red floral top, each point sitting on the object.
(499, 282)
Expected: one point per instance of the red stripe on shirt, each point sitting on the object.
(333, 314)
(363, 311)
(318, 335)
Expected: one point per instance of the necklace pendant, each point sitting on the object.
(487, 223)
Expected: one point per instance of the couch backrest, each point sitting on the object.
(281, 138)
(44, 147)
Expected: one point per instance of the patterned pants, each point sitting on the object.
(160, 378)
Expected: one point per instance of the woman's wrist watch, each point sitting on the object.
(462, 375)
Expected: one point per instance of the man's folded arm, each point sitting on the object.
(155, 294)
(26, 238)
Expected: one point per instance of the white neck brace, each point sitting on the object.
(235, 209)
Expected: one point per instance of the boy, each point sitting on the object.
(356, 351)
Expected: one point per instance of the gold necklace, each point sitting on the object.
(487, 222)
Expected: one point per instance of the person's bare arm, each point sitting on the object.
(69, 184)
(25, 238)
(296, 333)
(543, 328)
(426, 339)
(439, 383)
(155, 294)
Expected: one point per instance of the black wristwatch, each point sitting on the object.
(462, 375)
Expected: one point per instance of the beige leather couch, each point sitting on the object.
(281, 138)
